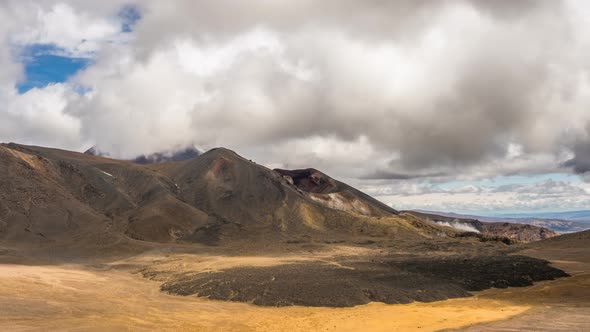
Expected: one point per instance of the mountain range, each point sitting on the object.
(53, 197)
(63, 200)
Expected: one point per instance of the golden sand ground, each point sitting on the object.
(67, 296)
(72, 297)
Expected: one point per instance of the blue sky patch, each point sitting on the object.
(129, 15)
(43, 66)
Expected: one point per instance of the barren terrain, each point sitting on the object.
(116, 296)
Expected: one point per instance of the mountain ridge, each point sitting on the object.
(218, 197)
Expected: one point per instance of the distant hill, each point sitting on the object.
(580, 240)
(516, 232)
(557, 225)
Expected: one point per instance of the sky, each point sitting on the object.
(468, 106)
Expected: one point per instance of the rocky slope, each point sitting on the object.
(510, 231)
(335, 194)
(518, 232)
(51, 197)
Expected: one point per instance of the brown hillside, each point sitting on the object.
(56, 198)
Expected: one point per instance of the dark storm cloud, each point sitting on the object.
(581, 162)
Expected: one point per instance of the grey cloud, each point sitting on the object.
(550, 190)
(402, 188)
(509, 9)
(366, 18)
(550, 194)
(384, 174)
(508, 188)
(445, 86)
(581, 162)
